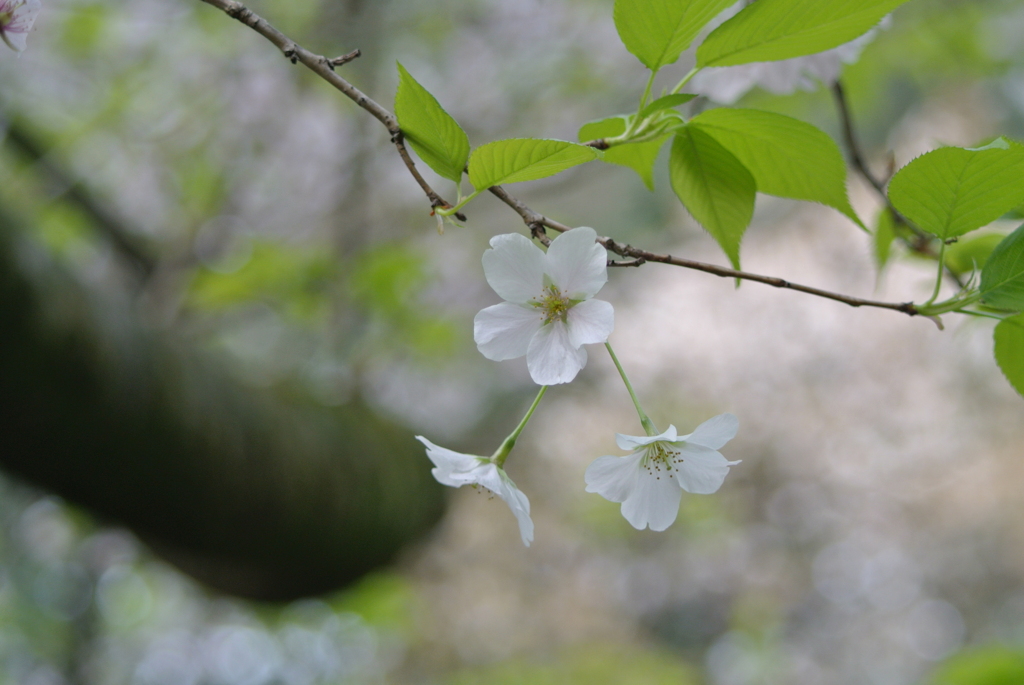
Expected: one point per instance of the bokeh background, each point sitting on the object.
(172, 188)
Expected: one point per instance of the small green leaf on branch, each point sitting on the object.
(657, 31)
(1002, 278)
(885, 234)
(771, 30)
(524, 159)
(714, 186)
(435, 136)
(1009, 350)
(787, 157)
(951, 191)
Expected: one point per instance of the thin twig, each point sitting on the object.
(856, 158)
(534, 221)
(324, 68)
(344, 59)
(922, 242)
(629, 251)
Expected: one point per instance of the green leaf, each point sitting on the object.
(714, 187)
(664, 102)
(640, 157)
(786, 156)
(1009, 349)
(770, 30)
(657, 31)
(435, 136)
(951, 191)
(972, 254)
(885, 234)
(1002, 279)
(524, 159)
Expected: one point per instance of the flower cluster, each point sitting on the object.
(548, 315)
(16, 20)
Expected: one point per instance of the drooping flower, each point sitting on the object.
(649, 482)
(16, 20)
(456, 469)
(548, 314)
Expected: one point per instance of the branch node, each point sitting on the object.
(538, 232)
(290, 53)
(344, 59)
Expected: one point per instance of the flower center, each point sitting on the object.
(554, 304)
(7, 14)
(661, 459)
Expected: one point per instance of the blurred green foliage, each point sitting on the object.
(591, 665)
(387, 282)
(295, 280)
(981, 666)
(384, 600)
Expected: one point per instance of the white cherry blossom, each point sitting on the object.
(456, 469)
(548, 313)
(16, 20)
(649, 482)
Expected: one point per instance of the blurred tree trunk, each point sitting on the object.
(253, 493)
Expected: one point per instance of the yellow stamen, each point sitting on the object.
(661, 458)
(556, 306)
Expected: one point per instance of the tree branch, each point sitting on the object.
(535, 222)
(922, 243)
(850, 136)
(324, 68)
(639, 257)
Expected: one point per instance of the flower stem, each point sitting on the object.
(645, 421)
(501, 455)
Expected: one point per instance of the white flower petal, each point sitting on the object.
(577, 264)
(654, 502)
(503, 331)
(552, 359)
(23, 16)
(614, 478)
(451, 468)
(456, 469)
(714, 432)
(15, 40)
(590, 322)
(514, 267)
(634, 442)
(498, 482)
(703, 470)
(519, 505)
